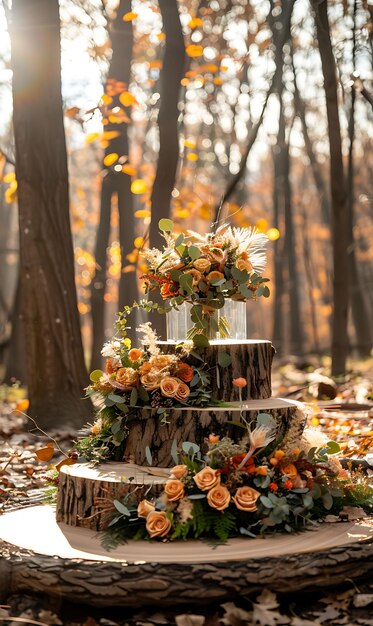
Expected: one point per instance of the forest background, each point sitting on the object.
(261, 110)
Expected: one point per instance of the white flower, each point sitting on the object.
(111, 348)
(261, 436)
(149, 338)
(313, 438)
(252, 242)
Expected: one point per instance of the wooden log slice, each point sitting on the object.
(158, 433)
(250, 359)
(86, 493)
(70, 563)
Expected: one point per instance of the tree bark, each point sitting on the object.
(360, 319)
(340, 345)
(115, 183)
(172, 73)
(15, 365)
(54, 354)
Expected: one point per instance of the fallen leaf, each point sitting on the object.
(189, 620)
(46, 453)
(362, 599)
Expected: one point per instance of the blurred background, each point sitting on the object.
(179, 108)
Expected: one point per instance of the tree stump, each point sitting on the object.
(250, 359)
(158, 432)
(70, 563)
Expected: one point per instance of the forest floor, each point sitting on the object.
(346, 418)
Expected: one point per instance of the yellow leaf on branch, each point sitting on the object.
(139, 186)
(127, 99)
(194, 50)
(128, 17)
(110, 159)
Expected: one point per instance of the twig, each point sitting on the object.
(42, 432)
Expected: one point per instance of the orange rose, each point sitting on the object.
(166, 290)
(128, 377)
(169, 386)
(145, 507)
(135, 354)
(174, 489)
(158, 524)
(185, 372)
(219, 498)
(245, 498)
(207, 478)
(289, 470)
(179, 471)
(145, 368)
(182, 392)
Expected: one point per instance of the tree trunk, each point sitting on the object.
(55, 365)
(172, 73)
(357, 299)
(15, 365)
(338, 194)
(115, 182)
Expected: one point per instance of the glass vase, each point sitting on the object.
(232, 316)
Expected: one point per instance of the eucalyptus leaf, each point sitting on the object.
(190, 448)
(201, 341)
(121, 508)
(116, 399)
(95, 375)
(224, 359)
(174, 454)
(194, 252)
(265, 419)
(133, 397)
(179, 240)
(266, 502)
(165, 225)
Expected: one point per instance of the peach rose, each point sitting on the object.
(158, 524)
(145, 507)
(219, 497)
(135, 354)
(207, 478)
(241, 265)
(179, 471)
(185, 372)
(128, 377)
(151, 381)
(182, 392)
(215, 275)
(245, 498)
(161, 361)
(202, 264)
(196, 276)
(174, 489)
(169, 386)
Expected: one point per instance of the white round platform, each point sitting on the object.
(41, 555)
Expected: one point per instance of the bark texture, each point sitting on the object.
(195, 426)
(115, 186)
(53, 349)
(128, 584)
(338, 194)
(249, 360)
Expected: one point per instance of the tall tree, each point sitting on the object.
(360, 317)
(168, 157)
(116, 185)
(338, 193)
(55, 365)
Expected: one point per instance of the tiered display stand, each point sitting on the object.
(63, 555)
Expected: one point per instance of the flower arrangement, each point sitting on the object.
(241, 489)
(205, 270)
(136, 378)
